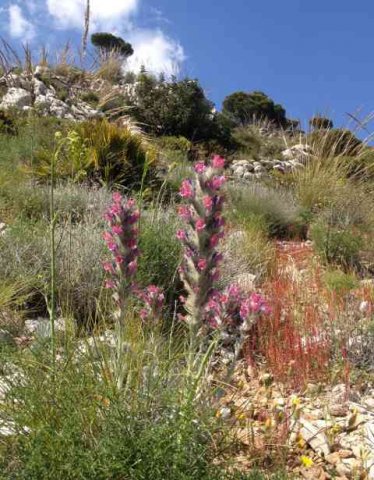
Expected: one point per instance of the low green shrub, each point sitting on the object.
(277, 207)
(339, 281)
(79, 253)
(175, 143)
(337, 245)
(160, 252)
(333, 142)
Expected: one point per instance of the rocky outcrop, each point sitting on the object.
(25, 92)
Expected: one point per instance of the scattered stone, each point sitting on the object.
(315, 437)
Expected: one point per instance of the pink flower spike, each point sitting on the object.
(186, 190)
(218, 162)
(200, 167)
(200, 224)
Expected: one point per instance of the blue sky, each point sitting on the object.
(310, 56)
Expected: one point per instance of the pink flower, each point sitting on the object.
(217, 182)
(108, 267)
(130, 203)
(214, 240)
(112, 246)
(186, 190)
(181, 235)
(117, 197)
(109, 284)
(119, 259)
(200, 224)
(184, 212)
(208, 202)
(132, 267)
(200, 167)
(218, 162)
(115, 209)
(201, 264)
(107, 236)
(117, 229)
(245, 309)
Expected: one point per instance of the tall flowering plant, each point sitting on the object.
(121, 239)
(231, 312)
(202, 213)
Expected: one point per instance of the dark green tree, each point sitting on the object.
(243, 108)
(107, 42)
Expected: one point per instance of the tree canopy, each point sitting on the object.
(244, 107)
(108, 42)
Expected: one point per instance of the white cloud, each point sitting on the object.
(19, 26)
(157, 52)
(104, 13)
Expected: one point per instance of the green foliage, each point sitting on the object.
(90, 97)
(80, 427)
(80, 251)
(176, 108)
(318, 122)
(360, 166)
(109, 42)
(180, 144)
(251, 140)
(339, 281)
(334, 142)
(160, 252)
(98, 151)
(244, 108)
(276, 207)
(337, 246)
(7, 123)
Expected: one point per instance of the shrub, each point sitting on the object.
(254, 140)
(318, 122)
(176, 108)
(90, 97)
(340, 282)
(277, 207)
(79, 428)
(243, 108)
(160, 253)
(334, 142)
(247, 251)
(99, 151)
(180, 144)
(7, 124)
(117, 155)
(26, 256)
(337, 245)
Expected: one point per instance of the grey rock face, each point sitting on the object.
(16, 98)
